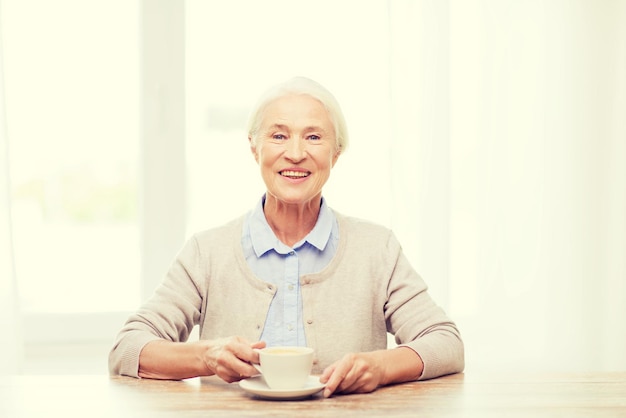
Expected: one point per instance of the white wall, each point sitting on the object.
(538, 188)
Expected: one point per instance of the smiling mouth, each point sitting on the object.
(294, 174)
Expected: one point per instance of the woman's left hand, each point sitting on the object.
(354, 373)
(366, 372)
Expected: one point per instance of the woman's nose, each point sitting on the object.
(296, 150)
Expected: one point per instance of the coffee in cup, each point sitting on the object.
(285, 368)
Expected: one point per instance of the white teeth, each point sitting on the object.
(288, 173)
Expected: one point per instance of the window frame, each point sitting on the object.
(162, 191)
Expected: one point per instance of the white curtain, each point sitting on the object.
(10, 341)
(510, 174)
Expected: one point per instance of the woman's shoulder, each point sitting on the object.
(357, 222)
(362, 227)
(363, 239)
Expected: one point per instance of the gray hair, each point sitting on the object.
(301, 85)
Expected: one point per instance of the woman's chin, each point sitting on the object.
(298, 199)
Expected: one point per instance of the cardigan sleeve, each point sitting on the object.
(418, 322)
(170, 314)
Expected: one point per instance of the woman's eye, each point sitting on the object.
(314, 137)
(279, 136)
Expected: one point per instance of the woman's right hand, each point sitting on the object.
(228, 358)
(231, 358)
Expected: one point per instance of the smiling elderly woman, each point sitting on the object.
(292, 272)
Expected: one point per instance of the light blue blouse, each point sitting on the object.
(281, 265)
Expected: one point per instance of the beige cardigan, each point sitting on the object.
(367, 290)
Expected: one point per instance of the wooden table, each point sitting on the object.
(553, 395)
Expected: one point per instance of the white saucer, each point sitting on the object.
(257, 386)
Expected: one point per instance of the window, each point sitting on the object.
(71, 77)
(75, 90)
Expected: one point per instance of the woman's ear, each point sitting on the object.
(336, 157)
(253, 149)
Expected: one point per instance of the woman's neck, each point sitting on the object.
(291, 222)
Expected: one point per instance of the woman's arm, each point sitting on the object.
(429, 342)
(418, 323)
(227, 358)
(168, 316)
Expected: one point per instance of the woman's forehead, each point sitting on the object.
(296, 109)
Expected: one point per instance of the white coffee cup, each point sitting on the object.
(285, 368)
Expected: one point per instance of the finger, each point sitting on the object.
(242, 350)
(237, 371)
(361, 385)
(255, 351)
(226, 367)
(337, 377)
(233, 360)
(350, 380)
(248, 354)
(361, 378)
(244, 363)
(258, 345)
(328, 371)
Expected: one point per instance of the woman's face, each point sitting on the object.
(295, 148)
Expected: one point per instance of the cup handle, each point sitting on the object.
(258, 367)
(255, 365)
